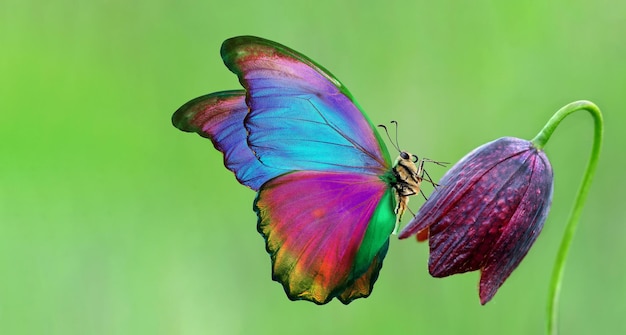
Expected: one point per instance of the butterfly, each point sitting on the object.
(328, 195)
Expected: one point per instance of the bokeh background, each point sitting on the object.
(114, 222)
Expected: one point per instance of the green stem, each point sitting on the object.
(540, 141)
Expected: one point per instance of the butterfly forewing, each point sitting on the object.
(219, 116)
(299, 110)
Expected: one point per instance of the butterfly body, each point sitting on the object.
(408, 180)
(328, 196)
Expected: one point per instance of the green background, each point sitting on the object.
(114, 222)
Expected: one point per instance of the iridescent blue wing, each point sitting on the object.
(219, 116)
(301, 117)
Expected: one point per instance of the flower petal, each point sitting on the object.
(465, 236)
(460, 179)
(522, 231)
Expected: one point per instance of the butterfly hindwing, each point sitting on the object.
(362, 286)
(315, 224)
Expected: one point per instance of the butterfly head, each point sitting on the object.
(408, 167)
(407, 158)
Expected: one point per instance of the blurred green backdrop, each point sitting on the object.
(114, 222)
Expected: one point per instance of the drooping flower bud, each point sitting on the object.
(488, 211)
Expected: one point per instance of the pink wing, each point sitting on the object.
(314, 224)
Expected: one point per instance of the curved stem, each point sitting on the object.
(539, 141)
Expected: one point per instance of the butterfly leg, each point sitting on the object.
(402, 202)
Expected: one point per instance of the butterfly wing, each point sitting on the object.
(362, 287)
(323, 208)
(316, 227)
(301, 117)
(219, 116)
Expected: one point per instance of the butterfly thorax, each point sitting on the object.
(408, 172)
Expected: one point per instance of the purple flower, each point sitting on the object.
(487, 213)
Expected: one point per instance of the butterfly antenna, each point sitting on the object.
(397, 143)
(389, 137)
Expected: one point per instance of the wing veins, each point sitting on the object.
(305, 140)
(312, 161)
(347, 138)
